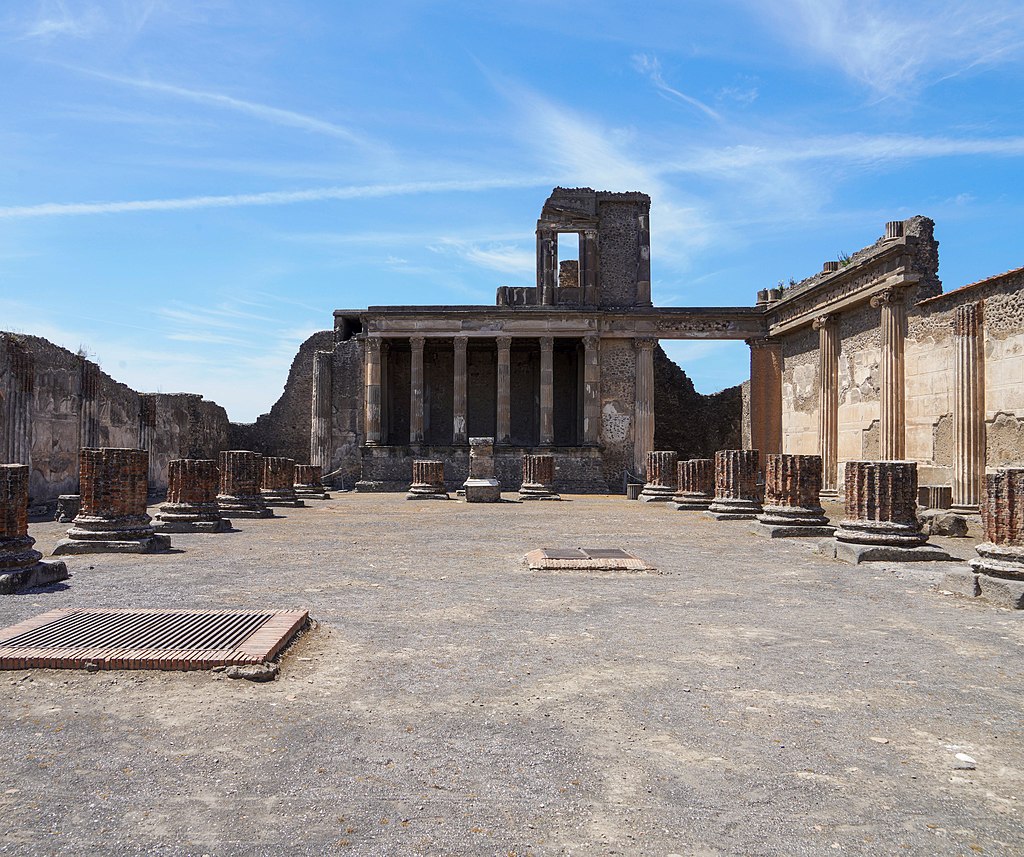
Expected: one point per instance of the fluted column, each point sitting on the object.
(18, 404)
(20, 564)
(765, 397)
(309, 483)
(881, 504)
(661, 477)
(416, 390)
(591, 389)
(88, 422)
(968, 408)
(792, 487)
(460, 436)
(892, 439)
(191, 505)
(277, 484)
(695, 484)
(321, 409)
(241, 473)
(828, 402)
(1001, 555)
(736, 495)
(504, 417)
(643, 415)
(147, 428)
(373, 391)
(547, 391)
(427, 481)
(547, 266)
(538, 478)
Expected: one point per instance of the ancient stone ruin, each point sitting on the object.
(309, 483)
(792, 487)
(538, 478)
(113, 517)
(241, 473)
(427, 481)
(191, 505)
(736, 492)
(661, 477)
(695, 484)
(1000, 561)
(481, 486)
(21, 566)
(277, 485)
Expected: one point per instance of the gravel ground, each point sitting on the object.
(753, 698)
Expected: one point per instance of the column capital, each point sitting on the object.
(503, 342)
(763, 342)
(645, 343)
(591, 341)
(373, 343)
(461, 341)
(417, 342)
(823, 322)
(966, 319)
(891, 295)
(547, 342)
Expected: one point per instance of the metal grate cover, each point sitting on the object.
(148, 639)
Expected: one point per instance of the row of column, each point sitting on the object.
(503, 433)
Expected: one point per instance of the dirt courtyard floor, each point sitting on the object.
(752, 698)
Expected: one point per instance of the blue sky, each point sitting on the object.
(188, 189)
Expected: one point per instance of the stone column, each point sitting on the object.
(695, 484)
(113, 518)
(643, 262)
(20, 565)
(504, 418)
(277, 485)
(547, 266)
(828, 402)
(547, 391)
(18, 404)
(416, 390)
(643, 418)
(241, 473)
(736, 495)
(588, 263)
(538, 478)
(765, 396)
(147, 428)
(661, 477)
(460, 433)
(374, 412)
(591, 390)
(1000, 562)
(968, 408)
(88, 421)
(481, 486)
(892, 430)
(427, 481)
(191, 505)
(792, 486)
(881, 514)
(309, 482)
(321, 409)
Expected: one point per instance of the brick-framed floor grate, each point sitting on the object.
(148, 638)
(585, 559)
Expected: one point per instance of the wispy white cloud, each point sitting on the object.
(651, 66)
(893, 48)
(507, 258)
(59, 209)
(264, 112)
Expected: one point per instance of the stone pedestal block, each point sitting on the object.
(427, 481)
(481, 487)
(278, 484)
(21, 567)
(695, 484)
(309, 482)
(736, 494)
(538, 478)
(881, 522)
(191, 505)
(68, 506)
(241, 473)
(1000, 560)
(113, 518)
(791, 489)
(661, 477)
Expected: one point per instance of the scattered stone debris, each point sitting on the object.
(253, 672)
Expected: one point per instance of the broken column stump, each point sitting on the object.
(113, 519)
(191, 505)
(309, 483)
(241, 473)
(736, 494)
(427, 481)
(21, 567)
(278, 482)
(538, 478)
(67, 507)
(792, 487)
(661, 477)
(481, 486)
(1000, 563)
(881, 515)
(695, 484)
